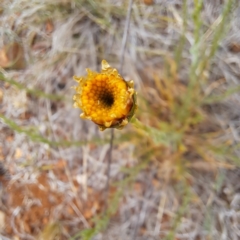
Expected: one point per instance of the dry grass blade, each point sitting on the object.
(174, 170)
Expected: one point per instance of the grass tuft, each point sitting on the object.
(174, 168)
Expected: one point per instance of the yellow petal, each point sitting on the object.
(108, 124)
(130, 83)
(105, 65)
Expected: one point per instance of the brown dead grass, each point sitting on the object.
(55, 192)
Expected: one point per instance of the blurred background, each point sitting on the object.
(174, 173)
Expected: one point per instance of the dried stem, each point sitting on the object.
(108, 167)
(123, 48)
(125, 34)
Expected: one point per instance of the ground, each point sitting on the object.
(174, 171)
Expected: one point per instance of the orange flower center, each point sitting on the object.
(105, 99)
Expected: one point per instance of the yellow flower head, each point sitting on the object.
(105, 98)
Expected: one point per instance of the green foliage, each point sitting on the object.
(184, 191)
(163, 136)
(101, 222)
(186, 108)
(34, 92)
(182, 41)
(220, 97)
(34, 136)
(101, 12)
